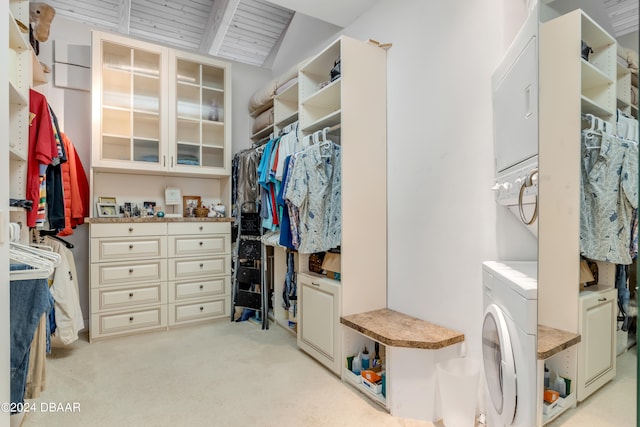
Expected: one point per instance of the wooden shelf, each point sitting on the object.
(262, 133)
(590, 106)
(330, 119)
(593, 76)
(287, 120)
(17, 41)
(14, 154)
(569, 402)
(15, 97)
(328, 95)
(39, 76)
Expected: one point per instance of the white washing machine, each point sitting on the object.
(509, 342)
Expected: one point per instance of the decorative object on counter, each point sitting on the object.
(160, 214)
(315, 262)
(189, 205)
(107, 210)
(219, 210)
(201, 212)
(108, 200)
(172, 197)
(149, 207)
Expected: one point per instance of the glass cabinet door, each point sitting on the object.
(199, 116)
(131, 105)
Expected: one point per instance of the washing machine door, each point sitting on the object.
(499, 365)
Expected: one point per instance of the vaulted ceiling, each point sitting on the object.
(247, 31)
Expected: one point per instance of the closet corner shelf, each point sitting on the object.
(15, 97)
(590, 106)
(262, 133)
(16, 39)
(15, 154)
(330, 119)
(552, 341)
(396, 329)
(39, 76)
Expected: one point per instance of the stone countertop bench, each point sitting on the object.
(396, 329)
(552, 341)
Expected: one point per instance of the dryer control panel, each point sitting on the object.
(510, 183)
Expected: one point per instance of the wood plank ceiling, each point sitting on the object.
(623, 15)
(247, 31)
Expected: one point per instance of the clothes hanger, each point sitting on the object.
(41, 267)
(50, 256)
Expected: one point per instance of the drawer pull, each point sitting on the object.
(130, 246)
(130, 294)
(201, 286)
(201, 228)
(602, 299)
(130, 270)
(130, 229)
(201, 243)
(201, 265)
(201, 308)
(131, 319)
(315, 284)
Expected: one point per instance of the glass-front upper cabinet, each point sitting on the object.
(200, 111)
(129, 103)
(156, 109)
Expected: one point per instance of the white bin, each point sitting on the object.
(458, 383)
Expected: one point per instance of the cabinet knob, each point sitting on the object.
(131, 319)
(130, 294)
(201, 265)
(201, 308)
(130, 270)
(201, 286)
(130, 229)
(200, 243)
(130, 246)
(201, 228)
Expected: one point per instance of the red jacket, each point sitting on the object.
(75, 187)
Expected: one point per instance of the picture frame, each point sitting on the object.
(189, 205)
(149, 207)
(107, 200)
(107, 210)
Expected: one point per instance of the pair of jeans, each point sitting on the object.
(623, 292)
(29, 299)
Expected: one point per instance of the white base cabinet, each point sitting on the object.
(319, 319)
(151, 275)
(597, 351)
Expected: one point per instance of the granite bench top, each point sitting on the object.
(552, 341)
(396, 329)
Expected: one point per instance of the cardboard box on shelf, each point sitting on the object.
(331, 264)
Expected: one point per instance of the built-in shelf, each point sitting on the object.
(567, 402)
(592, 107)
(328, 95)
(262, 133)
(16, 39)
(330, 119)
(16, 155)
(39, 76)
(287, 120)
(593, 77)
(15, 97)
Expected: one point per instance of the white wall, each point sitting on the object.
(73, 109)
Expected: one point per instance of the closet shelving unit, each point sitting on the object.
(356, 101)
(285, 109)
(562, 303)
(623, 87)
(265, 131)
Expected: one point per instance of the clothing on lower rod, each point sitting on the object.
(29, 299)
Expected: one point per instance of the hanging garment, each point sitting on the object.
(75, 189)
(42, 148)
(37, 370)
(68, 313)
(314, 187)
(29, 300)
(609, 195)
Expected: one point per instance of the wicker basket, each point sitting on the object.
(201, 212)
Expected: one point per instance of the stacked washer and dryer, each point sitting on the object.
(509, 330)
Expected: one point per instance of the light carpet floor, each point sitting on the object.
(220, 374)
(227, 374)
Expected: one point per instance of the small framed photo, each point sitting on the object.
(189, 205)
(107, 210)
(149, 207)
(107, 200)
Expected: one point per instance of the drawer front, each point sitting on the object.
(199, 228)
(202, 288)
(130, 229)
(193, 246)
(184, 313)
(180, 268)
(115, 249)
(131, 321)
(121, 273)
(123, 298)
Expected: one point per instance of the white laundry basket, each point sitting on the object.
(458, 383)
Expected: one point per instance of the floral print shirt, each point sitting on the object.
(609, 195)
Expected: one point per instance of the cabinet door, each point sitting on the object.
(319, 306)
(129, 100)
(598, 347)
(199, 132)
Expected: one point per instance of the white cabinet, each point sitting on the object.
(158, 110)
(153, 275)
(128, 278)
(199, 271)
(597, 350)
(319, 319)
